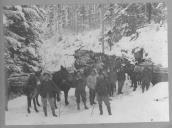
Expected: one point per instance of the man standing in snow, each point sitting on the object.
(102, 93)
(112, 81)
(91, 83)
(121, 79)
(80, 90)
(146, 78)
(47, 92)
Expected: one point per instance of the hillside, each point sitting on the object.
(57, 52)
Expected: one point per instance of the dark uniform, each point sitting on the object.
(91, 83)
(112, 82)
(47, 92)
(146, 78)
(80, 91)
(121, 79)
(135, 77)
(102, 94)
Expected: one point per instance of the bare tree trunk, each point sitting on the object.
(76, 20)
(58, 17)
(148, 11)
(102, 27)
(89, 17)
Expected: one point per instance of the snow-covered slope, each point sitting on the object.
(152, 38)
(56, 53)
(151, 106)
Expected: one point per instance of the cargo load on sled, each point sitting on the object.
(17, 82)
(159, 73)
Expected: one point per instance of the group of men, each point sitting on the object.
(101, 84)
(96, 83)
(143, 78)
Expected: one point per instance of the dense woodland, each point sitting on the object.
(27, 27)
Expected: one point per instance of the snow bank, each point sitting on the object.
(151, 106)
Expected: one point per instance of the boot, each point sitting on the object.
(134, 89)
(45, 111)
(85, 106)
(101, 110)
(78, 106)
(53, 112)
(109, 110)
(91, 103)
(94, 102)
(6, 108)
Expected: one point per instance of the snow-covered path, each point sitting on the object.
(153, 105)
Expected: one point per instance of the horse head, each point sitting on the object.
(38, 76)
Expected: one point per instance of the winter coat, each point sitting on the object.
(146, 75)
(80, 84)
(91, 81)
(121, 75)
(101, 87)
(48, 87)
(113, 76)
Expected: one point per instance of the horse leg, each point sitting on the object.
(37, 101)
(114, 88)
(34, 102)
(110, 90)
(28, 104)
(66, 96)
(55, 105)
(58, 97)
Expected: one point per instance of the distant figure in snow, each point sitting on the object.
(80, 90)
(112, 81)
(91, 83)
(102, 93)
(146, 78)
(121, 79)
(47, 91)
(138, 55)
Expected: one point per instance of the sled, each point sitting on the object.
(159, 73)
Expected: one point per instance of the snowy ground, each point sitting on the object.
(152, 106)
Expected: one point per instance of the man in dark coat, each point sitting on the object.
(102, 93)
(91, 83)
(112, 81)
(80, 90)
(121, 79)
(146, 78)
(47, 92)
(133, 80)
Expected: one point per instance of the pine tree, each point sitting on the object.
(22, 29)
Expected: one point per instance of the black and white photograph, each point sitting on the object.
(86, 63)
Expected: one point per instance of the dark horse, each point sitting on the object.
(61, 79)
(31, 90)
